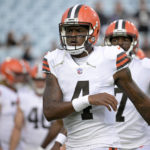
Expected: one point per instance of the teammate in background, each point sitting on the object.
(30, 119)
(132, 128)
(25, 85)
(11, 69)
(80, 82)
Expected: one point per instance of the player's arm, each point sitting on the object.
(53, 106)
(54, 129)
(16, 132)
(60, 140)
(125, 82)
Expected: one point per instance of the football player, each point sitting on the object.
(11, 70)
(132, 128)
(30, 120)
(80, 82)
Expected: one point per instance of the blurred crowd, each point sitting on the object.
(25, 48)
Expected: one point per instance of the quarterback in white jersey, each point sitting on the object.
(85, 80)
(80, 82)
(132, 128)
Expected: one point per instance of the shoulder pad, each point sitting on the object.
(111, 52)
(146, 62)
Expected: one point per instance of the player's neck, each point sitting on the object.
(84, 54)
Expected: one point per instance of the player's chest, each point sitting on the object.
(97, 71)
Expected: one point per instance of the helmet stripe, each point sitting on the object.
(74, 11)
(123, 24)
(77, 11)
(69, 12)
(120, 24)
(116, 25)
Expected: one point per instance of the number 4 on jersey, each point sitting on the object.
(84, 87)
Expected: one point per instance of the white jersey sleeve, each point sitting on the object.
(49, 61)
(118, 54)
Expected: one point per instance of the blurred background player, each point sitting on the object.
(11, 70)
(132, 129)
(31, 126)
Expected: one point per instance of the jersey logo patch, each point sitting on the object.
(122, 60)
(79, 70)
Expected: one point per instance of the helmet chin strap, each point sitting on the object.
(86, 52)
(130, 50)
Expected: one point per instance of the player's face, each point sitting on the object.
(123, 42)
(76, 35)
(19, 77)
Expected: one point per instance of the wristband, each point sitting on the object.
(61, 138)
(80, 103)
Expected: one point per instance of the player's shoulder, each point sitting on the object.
(7, 92)
(4, 88)
(145, 63)
(112, 52)
(50, 55)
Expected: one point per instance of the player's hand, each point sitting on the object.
(104, 99)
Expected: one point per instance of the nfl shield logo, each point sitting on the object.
(79, 70)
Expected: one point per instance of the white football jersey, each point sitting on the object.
(132, 128)
(8, 102)
(94, 125)
(35, 125)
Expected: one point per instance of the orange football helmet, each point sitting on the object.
(36, 72)
(9, 67)
(76, 16)
(122, 28)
